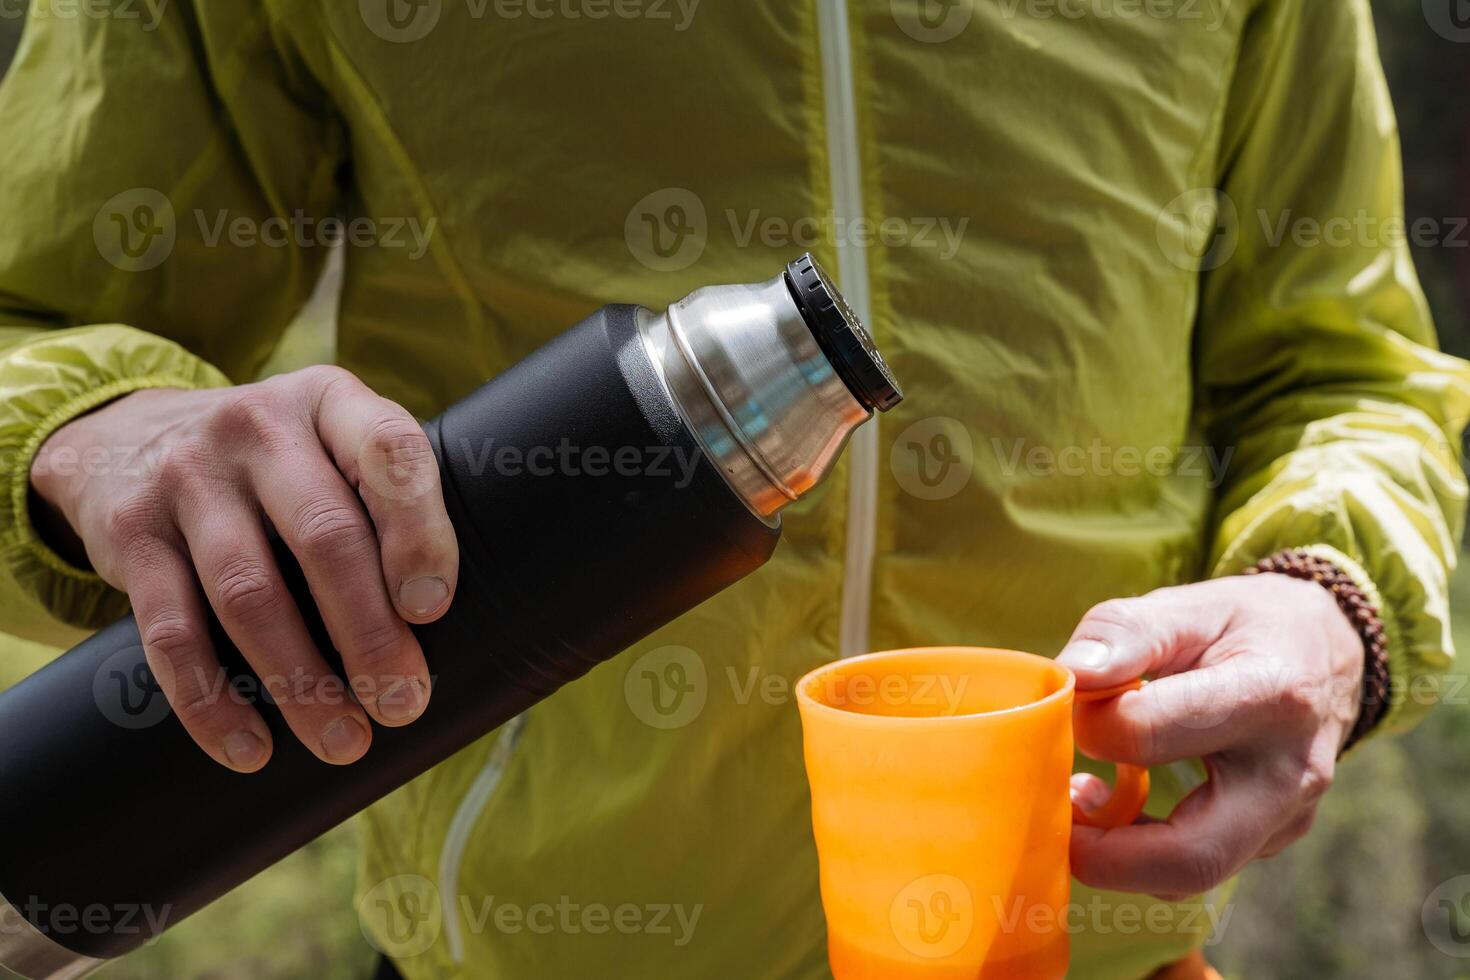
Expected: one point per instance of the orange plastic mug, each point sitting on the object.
(941, 808)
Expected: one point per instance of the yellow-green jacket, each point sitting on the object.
(1014, 194)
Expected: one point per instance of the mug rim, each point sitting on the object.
(806, 700)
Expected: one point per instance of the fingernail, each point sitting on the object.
(403, 701)
(423, 595)
(1085, 655)
(344, 740)
(1090, 794)
(244, 750)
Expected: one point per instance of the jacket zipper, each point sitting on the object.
(862, 500)
(846, 175)
(466, 818)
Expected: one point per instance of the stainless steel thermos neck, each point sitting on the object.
(748, 368)
(113, 825)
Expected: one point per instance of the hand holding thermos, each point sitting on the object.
(316, 523)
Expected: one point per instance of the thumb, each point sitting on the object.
(1156, 634)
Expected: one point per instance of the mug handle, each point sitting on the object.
(1130, 786)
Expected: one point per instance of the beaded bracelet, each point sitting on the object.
(1359, 609)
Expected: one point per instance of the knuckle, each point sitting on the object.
(198, 710)
(135, 518)
(324, 377)
(378, 645)
(1115, 616)
(247, 592)
(1314, 782)
(330, 530)
(398, 440)
(173, 638)
(1299, 699)
(254, 412)
(178, 468)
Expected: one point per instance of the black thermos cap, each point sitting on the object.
(841, 335)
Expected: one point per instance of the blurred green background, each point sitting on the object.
(1345, 902)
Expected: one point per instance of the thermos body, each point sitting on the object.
(594, 502)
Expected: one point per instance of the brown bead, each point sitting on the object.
(1359, 611)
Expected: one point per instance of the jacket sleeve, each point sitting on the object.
(156, 178)
(1317, 364)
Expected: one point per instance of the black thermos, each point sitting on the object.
(105, 802)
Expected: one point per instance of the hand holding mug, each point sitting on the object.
(1260, 676)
